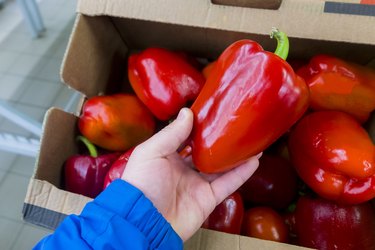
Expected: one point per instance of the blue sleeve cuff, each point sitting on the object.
(135, 209)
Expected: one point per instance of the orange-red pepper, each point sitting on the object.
(251, 97)
(336, 84)
(116, 122)
(334, 156)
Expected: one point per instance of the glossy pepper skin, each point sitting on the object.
(326, 225)
(339, 85)
(227, 216)
(84, 174)
(251, 97)
(334, 156)
(117, 168)
(165, 81)
(273, 184)
(264, 223)
(116, 122)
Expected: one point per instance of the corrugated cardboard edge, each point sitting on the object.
(208, 239)
(44, 200)
(298, 18)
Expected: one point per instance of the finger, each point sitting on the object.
(229, 182)
(169, 139)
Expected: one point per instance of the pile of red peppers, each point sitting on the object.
(316, 179)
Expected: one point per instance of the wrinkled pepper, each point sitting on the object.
(251, 97)
(116, 122)
(117, 168)
(325, 225)
(334, 155)
(164, 80)
(84, 174)
(339, 85)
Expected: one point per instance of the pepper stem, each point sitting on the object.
(91, 147)
(282, 48)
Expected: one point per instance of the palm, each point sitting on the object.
(181, 194)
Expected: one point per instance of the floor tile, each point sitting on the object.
(11, 86)
(12, 194)
(40, 93)
(7, 59)
(2, 175)
(23, 165)
(16, 42)
(28, 65)
(6, 160)
(33, 112)
(42, 46)
(9, 18)
(51, 70)
(60, 50)
(9, 231)
(29, 236)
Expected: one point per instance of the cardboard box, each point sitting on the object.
(105, 32)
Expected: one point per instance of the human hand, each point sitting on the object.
(182, 195)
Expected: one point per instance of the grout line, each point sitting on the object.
(18, 235)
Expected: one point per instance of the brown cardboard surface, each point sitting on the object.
(207, 239)
(298, 18)
(106, 31)
(101, 50)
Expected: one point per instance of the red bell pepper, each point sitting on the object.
(117, 168)
(116, 122)
(251, 97)
(339, 85)
(208, 68)
(265, 223)
(227, 216)
(273, 184)
(325, 225)
(334, 156)
(164, 80)
(84, 174)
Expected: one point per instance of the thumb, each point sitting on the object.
(169, 139)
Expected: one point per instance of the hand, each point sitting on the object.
(182, 195)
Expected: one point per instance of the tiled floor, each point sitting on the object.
(29, 82)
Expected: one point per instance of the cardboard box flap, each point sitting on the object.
(44, 200)
(298, 18)
(205, 239)
(58, 126)
(91, 51)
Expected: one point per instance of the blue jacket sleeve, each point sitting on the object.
(121, 217)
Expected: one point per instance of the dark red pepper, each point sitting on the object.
(164, 80)
(227, 216)
(326, 225)
(273, 184)
(84, 174)
(117, 168)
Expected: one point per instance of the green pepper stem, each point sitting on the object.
(91, 147)
(282, 48)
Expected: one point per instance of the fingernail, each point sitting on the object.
(259, 155)
(181, 114)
